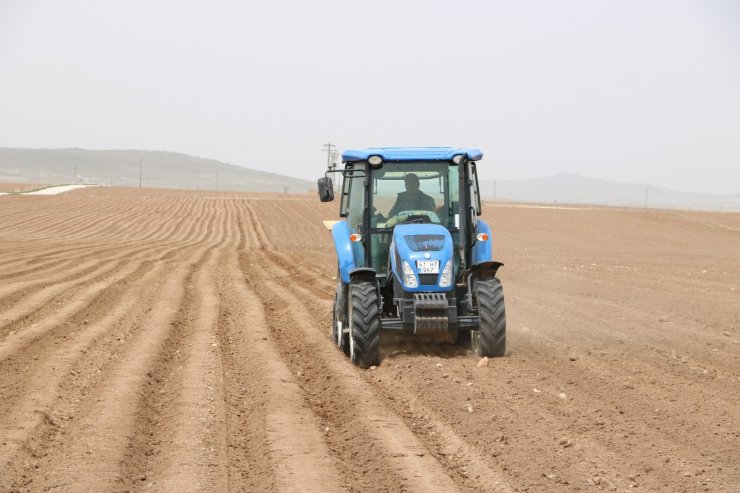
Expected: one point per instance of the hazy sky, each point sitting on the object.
(640, 91)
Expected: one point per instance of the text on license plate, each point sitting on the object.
(427, 266)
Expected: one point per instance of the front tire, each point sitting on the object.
(364, 324)
(490, 339)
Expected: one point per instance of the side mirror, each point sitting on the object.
(326, 189)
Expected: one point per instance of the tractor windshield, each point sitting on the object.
(405, 192)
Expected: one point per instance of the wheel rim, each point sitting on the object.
(336, 328)
(334, 322)
(351, 344)
(351, 335)
(474, 340)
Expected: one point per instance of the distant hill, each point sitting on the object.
(566, 188)
(121, 168)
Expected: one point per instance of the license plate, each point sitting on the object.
(427, 266)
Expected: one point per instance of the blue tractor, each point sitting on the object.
(413, 256)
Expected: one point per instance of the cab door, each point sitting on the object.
(353, 208)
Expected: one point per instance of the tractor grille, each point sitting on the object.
(428, 279)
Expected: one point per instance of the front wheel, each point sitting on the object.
(490, 338)
(364, 324)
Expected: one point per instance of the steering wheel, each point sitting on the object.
(413, 215)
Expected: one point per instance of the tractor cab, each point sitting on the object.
(412, 240)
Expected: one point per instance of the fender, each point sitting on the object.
(485, 270)
(482, 250)
(343, 246)
(363, 274)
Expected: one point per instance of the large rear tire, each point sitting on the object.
(364, 324)
(490, 339)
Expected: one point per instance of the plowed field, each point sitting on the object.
(179, 341)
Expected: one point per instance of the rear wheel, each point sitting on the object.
(364, 324)
(490, 339)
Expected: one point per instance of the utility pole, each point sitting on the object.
(75, 180)
(646, 196)
(141, 164)
(331, 155)
(331, 160)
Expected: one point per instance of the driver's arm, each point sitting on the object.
(429, 204)
(395, 209)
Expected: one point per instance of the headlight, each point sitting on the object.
(409, 279)
(445, 281)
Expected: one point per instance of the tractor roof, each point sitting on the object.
(410, 153)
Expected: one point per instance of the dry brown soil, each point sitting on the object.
(158, 340)
(19, 187)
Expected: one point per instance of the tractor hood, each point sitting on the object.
(426, 250)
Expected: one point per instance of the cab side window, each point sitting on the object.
(354, 200)
(474, 196)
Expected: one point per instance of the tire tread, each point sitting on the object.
(492, 331)
(365, 324)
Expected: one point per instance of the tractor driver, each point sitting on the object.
(412, 199)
